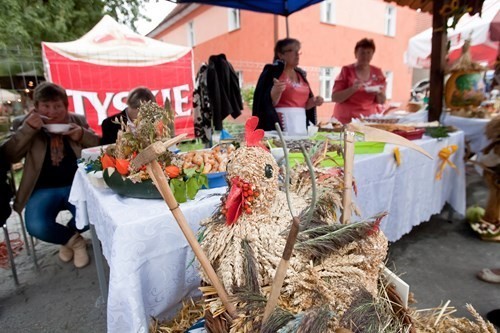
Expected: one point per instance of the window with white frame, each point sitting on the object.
(328, 11)
(326, 80)
(390, 20)
(190, 31)
(240, 78)
(389, 78)
(234, 19)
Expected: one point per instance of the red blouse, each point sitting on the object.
(295, 94)
(361, 102)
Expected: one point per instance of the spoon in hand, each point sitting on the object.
(44, 117)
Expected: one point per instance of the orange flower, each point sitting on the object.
(107, 161)
(172, 171)
(122, 166)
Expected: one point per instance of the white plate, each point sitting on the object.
(400, 113)
(57, 128)
(373, 89)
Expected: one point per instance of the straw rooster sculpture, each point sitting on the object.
(332, 264)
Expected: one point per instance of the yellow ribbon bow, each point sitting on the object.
(444, 155)
(397, 156)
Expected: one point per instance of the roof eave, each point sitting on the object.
(179, 12)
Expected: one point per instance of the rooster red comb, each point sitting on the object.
(254, 136)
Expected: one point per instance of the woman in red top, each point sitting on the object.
(359, 87)
(283, 94)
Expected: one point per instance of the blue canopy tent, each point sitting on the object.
(277, 7)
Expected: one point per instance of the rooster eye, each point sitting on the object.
(268, 171)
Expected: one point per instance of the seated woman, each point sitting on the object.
(283, 95)
(111, 125)
(50, 163)
(360, 87)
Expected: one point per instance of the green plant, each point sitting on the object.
(187, 186)
(247, 95)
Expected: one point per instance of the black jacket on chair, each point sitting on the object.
(263, 106)
(223, 90)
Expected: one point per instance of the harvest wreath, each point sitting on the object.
(153, 124)
(284, 261)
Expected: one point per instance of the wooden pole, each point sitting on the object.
(275, 27)
(158, 177)
(348, 168)
(438, 61)
(280, 274)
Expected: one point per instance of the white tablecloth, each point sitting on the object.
(409, 192)
(473, 129)
(150, 261)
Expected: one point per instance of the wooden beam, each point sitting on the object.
(428, 7)
(438, 62)
(415, 4)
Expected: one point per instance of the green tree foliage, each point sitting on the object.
(24, 24)
(247, 95)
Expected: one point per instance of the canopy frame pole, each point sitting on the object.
(276, 36)
(287, 28)
(438, 61)
(286, 19)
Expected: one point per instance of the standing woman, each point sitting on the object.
(283, 94)
(360, 87)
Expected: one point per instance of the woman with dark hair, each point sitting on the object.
(111, 125)
(359, 87)
(283, 94)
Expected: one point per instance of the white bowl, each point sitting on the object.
(57, 128)
(278, 154)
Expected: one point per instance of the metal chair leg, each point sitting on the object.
(11, 180)
(25, 235)
(29, 243)
(10, 253)
(23, 226)
(35, 261)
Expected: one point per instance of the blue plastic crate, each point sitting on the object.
(216, 179)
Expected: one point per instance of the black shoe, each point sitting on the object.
(494, 317)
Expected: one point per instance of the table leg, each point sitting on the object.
(101, 275)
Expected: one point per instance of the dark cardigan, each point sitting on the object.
(6, 192)
(110, 127)
(263, 106)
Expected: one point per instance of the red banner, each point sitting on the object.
(98, 91)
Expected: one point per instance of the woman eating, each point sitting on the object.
(360, 87)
